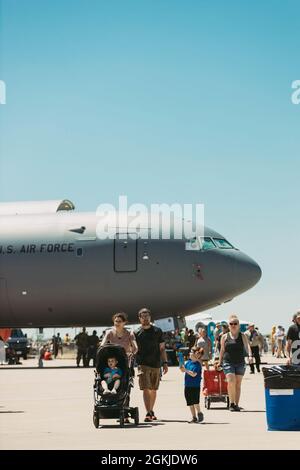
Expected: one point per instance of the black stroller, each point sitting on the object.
(109, 406)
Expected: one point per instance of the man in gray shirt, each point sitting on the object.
(257, 343)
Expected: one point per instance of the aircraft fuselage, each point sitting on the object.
(55, 271)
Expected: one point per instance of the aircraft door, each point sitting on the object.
(5, 309)
(125, 252)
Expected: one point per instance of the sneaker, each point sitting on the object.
(237, 408)
(232, 407)
(148, 418)
(193, 420)
(200, 417)
(153, 417)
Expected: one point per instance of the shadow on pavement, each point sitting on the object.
(174, 421)
(253, 411)
(127, 426)
(208, 422)
(218, 408)
(17, 367)
(10, 411)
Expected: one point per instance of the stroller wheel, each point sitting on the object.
(122, 419)
(96, 419)
(136, 416)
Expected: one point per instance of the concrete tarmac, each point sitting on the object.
(51, 408)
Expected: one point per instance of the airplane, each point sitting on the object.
(56, 272)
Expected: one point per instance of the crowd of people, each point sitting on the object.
(227, 348)
(86, 347)
(280, 339)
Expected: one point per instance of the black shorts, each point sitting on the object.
(192, 395)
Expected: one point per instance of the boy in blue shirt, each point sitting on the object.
(192, 381)
(112, 375)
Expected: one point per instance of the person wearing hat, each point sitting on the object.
(217, 333)
(293, 342)
(279, 337)
(256, 341)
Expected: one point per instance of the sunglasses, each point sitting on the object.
(233, 324)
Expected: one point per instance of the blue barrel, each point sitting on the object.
(282, 392)
(283, 409)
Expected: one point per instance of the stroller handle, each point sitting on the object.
(131, 358)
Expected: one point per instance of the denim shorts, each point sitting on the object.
(237, 369)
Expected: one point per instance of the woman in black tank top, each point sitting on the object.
(234, 347)
(234, 351)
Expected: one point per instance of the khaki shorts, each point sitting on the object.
(149, 377)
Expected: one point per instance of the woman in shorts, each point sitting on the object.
(234, 346)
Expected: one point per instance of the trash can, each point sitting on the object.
(282, 391)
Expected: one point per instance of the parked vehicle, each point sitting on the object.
(18, 342)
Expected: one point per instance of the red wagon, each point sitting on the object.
(215, 387)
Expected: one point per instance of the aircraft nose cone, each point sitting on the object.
(247, 271)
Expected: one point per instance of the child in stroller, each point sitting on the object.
(109, 404)
(112, 375)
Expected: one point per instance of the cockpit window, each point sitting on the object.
(192, 244)
(222, 243)
(207, 243)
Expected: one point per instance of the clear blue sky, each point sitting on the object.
(165, 101)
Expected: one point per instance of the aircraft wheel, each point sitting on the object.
(122, 419)
(96, 419)
(136, 416)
